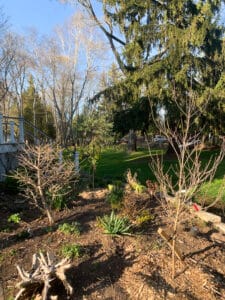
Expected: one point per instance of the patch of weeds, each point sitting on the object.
(14, 218)
(114, 224)
(210, 191)
(71, 250)
(73, 228)
(144, 217)
(115, 195)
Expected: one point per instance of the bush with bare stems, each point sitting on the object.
(43, 176)
(182, 180)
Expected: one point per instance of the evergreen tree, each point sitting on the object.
(165, 49)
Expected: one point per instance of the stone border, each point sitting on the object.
(214, 219)
(210, 217)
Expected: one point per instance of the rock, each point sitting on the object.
(194, 231)
(208, 217)
(218, 237)
(220, 227)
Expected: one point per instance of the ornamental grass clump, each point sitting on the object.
(114, 224)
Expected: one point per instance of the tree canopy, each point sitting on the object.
(165, 49)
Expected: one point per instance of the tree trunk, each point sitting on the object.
(132, 140)
(171, 149)
(49, 215)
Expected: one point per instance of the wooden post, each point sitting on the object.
(76, 161)
(21, 130)
(1, 129)
(60, 157)
(169, 241)
(12, 137)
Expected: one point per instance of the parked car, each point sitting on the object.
(159, 139)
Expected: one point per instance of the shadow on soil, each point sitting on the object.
(83, 216)
(97, 275)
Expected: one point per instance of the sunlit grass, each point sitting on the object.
(114, 163)
(210, 191)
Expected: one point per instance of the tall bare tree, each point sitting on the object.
(66, 63)
(180, 182)
(15, 66)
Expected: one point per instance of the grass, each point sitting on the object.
(114, 163)
(210, 190)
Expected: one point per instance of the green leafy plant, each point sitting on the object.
(14, 218)
(73, 228)
(115, 195)
(71, 250)
(115, 225)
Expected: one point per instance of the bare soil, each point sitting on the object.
(138, 266)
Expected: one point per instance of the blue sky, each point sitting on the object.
(43, 15)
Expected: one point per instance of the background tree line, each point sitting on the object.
(164, 52)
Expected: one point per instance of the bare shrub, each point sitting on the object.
(43, 176)
(181, 180)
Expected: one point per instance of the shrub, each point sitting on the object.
(67, 228)
(113, 224)
(44, 177)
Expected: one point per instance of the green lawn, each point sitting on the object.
(114, 163)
